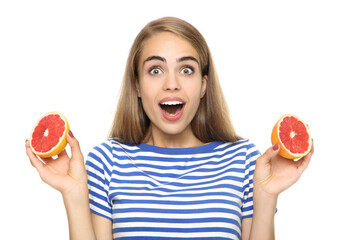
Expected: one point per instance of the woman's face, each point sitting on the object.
(170, 83)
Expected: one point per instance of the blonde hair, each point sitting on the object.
(212, 120)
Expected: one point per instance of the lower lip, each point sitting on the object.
(175, 117)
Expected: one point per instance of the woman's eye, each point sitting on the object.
(187, 70)
(155, 71)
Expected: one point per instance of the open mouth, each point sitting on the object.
(172, 108)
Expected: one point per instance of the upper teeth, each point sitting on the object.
(171, 103)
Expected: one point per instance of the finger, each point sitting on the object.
(46, 160)
(305, 161)
(50, 159)
(63, 154)
(74, 145)
(312, 146)
(34, 160)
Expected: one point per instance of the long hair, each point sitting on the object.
(212, 120)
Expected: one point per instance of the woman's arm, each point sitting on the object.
(78, 214)
(102, 227)
(273, 174)
(68, 176)
(82, 223)
(261, 225)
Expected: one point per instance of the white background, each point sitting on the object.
(273, 57)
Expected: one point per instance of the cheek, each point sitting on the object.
(194, 90)
(148, 97)
(146, 88)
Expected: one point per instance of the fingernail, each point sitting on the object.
(276, 147)
(71, 134)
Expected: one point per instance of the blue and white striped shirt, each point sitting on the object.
(173, 193)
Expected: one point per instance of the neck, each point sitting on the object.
(185, 139)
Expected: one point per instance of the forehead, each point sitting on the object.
(167, 45)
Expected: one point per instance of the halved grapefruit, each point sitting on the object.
(293, 137)
(48, 138)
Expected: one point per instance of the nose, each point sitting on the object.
(171, 83)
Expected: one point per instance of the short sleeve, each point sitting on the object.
(251, 156)
(99, 166)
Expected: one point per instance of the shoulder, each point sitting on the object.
(243, 144)
(109, 150)
(102, 153)
(244, 147)
(102, 156)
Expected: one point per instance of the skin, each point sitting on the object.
(169, 67)
(159, 78)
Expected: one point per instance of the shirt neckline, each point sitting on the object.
(190, 150)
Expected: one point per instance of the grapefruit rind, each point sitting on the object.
(58, 148)
(284, 152)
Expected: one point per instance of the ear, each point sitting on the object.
(203, 85)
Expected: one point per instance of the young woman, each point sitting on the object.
(173, 167)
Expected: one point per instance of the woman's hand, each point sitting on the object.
(68, 175)
(64, 173)
(274, 174)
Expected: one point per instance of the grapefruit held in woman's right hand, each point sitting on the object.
(293, 137)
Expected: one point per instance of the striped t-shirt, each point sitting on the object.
(151, 192)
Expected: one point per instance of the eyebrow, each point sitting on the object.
(177, 60)
(187, 58)
(154, 58)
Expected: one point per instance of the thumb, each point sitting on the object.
(269, 154)
(74, 145)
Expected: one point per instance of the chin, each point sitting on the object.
(173, 128)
